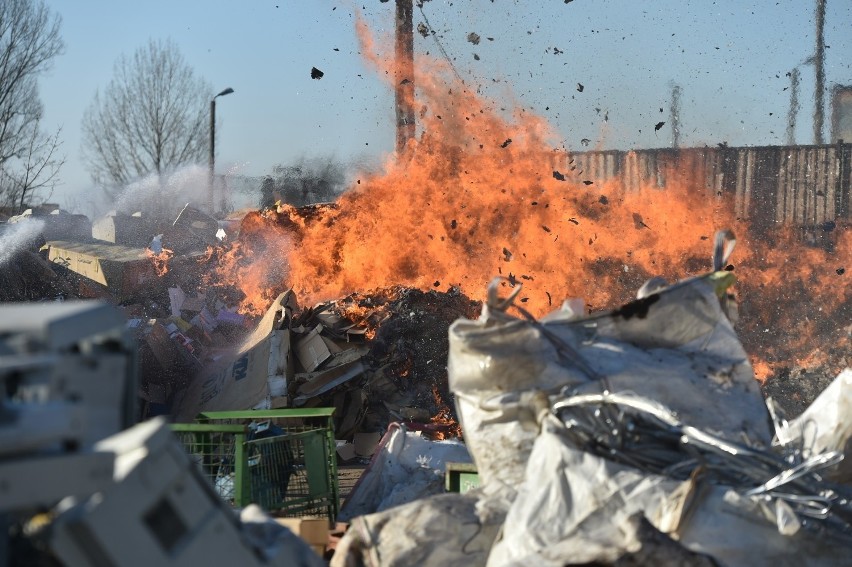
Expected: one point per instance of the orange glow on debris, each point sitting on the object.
(160, 260)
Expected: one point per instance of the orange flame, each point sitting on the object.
(444, 418)
(484, 191)
(160, 260)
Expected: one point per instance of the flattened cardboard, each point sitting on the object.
(123, 270)
(237, 380)
(311, 350)
(312, 530)
(346, 365)
(177, 297)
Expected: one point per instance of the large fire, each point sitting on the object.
(486, 189)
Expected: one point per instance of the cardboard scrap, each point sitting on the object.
(230, 317)
(347, 365)
(177, 297)
(238, 380)
(366, 443)
(312, 530)
(346, 451)
(311, 350)
(195, 304)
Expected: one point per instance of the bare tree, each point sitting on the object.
(29, 159)
(37, 167)
(151, 118)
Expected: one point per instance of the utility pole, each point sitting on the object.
(211, 174)
(404, 74)
(794, 107)
(674, 118)
(819, 66)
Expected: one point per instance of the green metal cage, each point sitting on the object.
(282, 460)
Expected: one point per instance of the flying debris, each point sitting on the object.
(316, 73)
(585, 141)
(638, 222)
(473, 38)
(506, 143)
(558, 176)
(659, 125)
(580, 87)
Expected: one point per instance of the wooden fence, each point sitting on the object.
(803, 186)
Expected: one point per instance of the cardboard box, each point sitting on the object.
(237, 378)
(311, 350)
(314, 531)
(124, 271)
(122, 229)
(165, 351)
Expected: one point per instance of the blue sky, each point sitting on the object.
(730, 58)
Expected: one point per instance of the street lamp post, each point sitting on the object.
(210, 180)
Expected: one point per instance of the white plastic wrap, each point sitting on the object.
(575, 508)
(826, 425)
(675, 346)
(406, 467)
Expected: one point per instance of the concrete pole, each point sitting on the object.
(404, 76)
(794, 107)
(210, 178)
(675, 115)
(211, 199)
(819, 65)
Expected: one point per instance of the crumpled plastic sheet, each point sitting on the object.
(406, 467)
(675, 346)
(274, 543)
(579, 506)
(553, 495)
(824, 426)
(443, 530)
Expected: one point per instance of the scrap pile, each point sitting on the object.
(188, 321)
(405, 346)
(632, 436)
(378, 358)
(175, 346)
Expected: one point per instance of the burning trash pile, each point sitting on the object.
(377, 358)
(401, 367)
(631, 436)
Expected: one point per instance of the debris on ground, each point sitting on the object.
(664, 424)
(629, 435)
